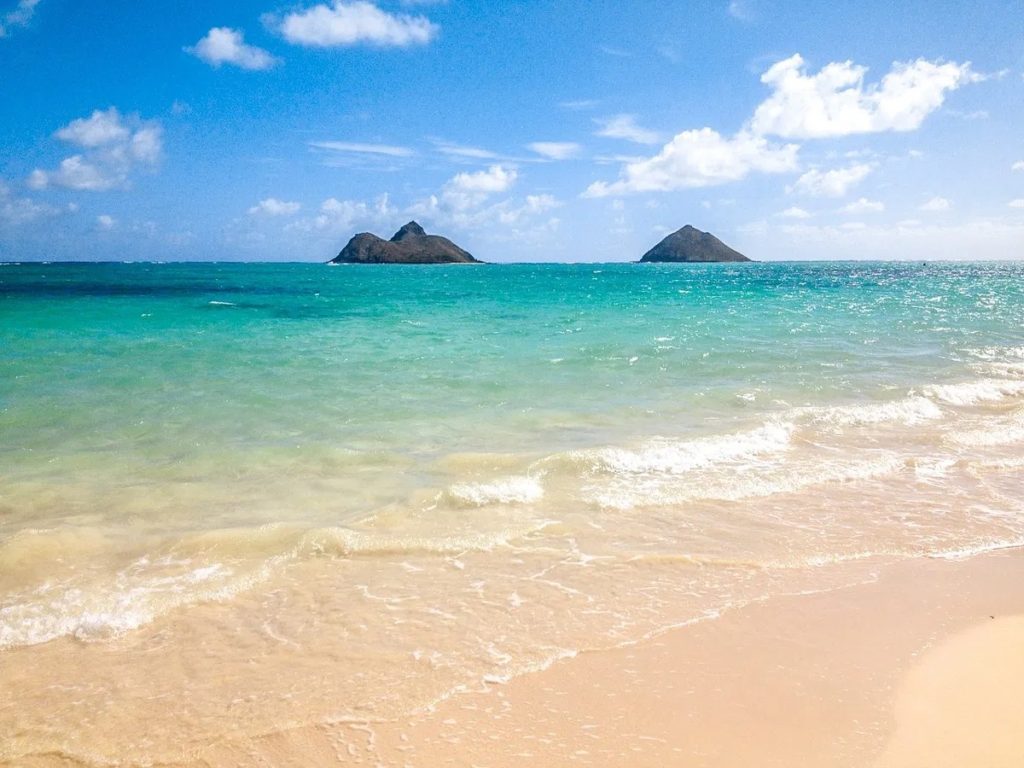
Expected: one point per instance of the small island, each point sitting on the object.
(690, 245)
(409, 245)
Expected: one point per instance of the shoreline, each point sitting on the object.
(832, 679)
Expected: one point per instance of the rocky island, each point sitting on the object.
(409, 245)
(689, 244)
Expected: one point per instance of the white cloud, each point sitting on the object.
(935, 204)
(555, 150)
(115, 147)
(363, 149)
(742, 10)
(15, 211)
(1018, 166)
(535, 204)
(105, 222)
(19, 17)
(794, 213)
(625, 127)
(274, 207)
(700, 158)
(834, 183)
(836, 101)
(76, 172)
(223, 45)
(350, 23)
(462, 152)
(863, 205)
(465, 202)
(1018, 203)
(909, 240)
(338, 217)
(101, 127)
(577, 105)
(612, 50)
(497, 178)
(978, 114)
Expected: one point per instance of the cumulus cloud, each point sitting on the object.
(935, 205)
(794, 213)
(1018, 203)
(105, 222)
(555, 150)
(223, 45)
(351, 23)
(700, 158)
(274, 207)
(101, 127)
(910, 239)
(338, 217)
(115, 146)
(497, 178)
(834, 183)
(466, 201)
(863, 205)
(509, 214)
(15, 211)
(625, 127)
(836, 101)
(1018, 166)
(19, 17)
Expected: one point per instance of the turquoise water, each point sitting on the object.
(485, 467)
(163, 366)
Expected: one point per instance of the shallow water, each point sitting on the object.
(287, 494)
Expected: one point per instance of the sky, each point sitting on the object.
(525, 130)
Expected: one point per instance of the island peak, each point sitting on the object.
(409, 245)
(412, 229)
(690, 245)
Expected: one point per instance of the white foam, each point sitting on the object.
(349, 542)
(668, 456)
(998, 353)
(908, 411)
(974, 392)
(130, 599)
(735, 484)
(980, 549)
(1004, 432)
(508, 490)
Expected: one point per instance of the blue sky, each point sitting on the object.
(526, 131)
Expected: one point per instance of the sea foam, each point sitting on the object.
(675, 456)
(509, 490)
(973, 392)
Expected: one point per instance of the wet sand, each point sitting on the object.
(921, 665)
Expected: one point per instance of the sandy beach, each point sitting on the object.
(441, 384)
(920, 666)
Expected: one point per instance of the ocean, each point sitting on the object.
(283, 494)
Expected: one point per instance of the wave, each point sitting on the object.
(210, 566)
(510, 490)
(969, 393)
(622, 493)
(131, 598)
(674, 457)
(908, 411)
(1005, 432)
